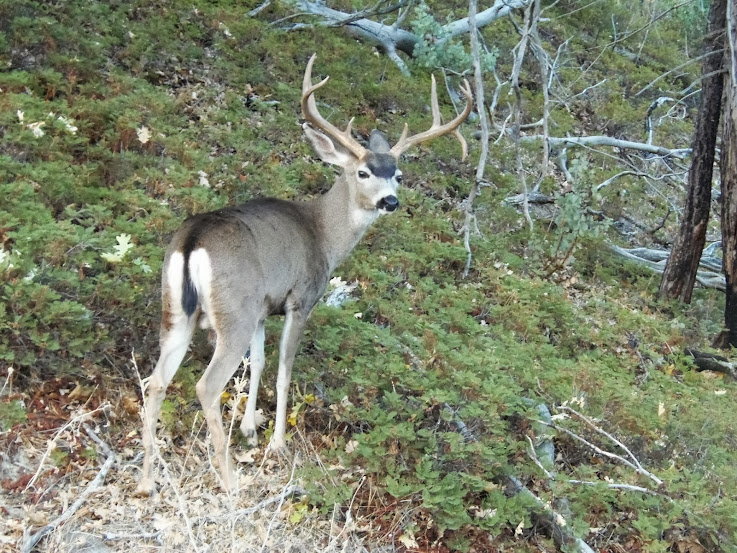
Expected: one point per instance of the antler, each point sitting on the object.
(310, 113)
(437, 129)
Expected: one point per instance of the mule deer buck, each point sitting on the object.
(230, 269)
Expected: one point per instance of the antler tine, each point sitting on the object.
(312, 115)
(437, 129)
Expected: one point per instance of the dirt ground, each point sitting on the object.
(68, 473)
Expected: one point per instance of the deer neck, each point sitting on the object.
(341, 221)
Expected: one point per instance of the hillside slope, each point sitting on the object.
(421, 407)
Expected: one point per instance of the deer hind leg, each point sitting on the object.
(257, 362)
(294, 325)
(228, 354)
(174, 342)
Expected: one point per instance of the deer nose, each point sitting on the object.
(388, 203)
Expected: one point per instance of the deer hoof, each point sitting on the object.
(280, 451)
(230, 483)
(144, 489)
(251, 437)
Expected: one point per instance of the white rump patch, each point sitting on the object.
(174, 280)
(200, 271)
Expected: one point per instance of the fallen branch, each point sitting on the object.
(678, 68)
(288, 491)
(549, 517)
(552, 520)
(532, 198)
(603, 432)
(633, 463)
(390, 38)
(626, 487)
(52, 443)
(109, 536)
(712, 362)
(707, 278)
(30, 542)
(639, 174)
(601, 140)
(610, 485)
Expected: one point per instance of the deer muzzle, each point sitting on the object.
(388, 204)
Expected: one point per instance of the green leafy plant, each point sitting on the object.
(575, 222)
(437, 49)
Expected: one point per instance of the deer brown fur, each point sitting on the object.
(230, 269)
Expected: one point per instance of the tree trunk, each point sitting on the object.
(729, 182)
(680, 271)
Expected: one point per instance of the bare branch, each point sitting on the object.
(519, 55)
(30, 542)
(677, 68)
(391, 38)
(542, 58)
(613, 142)
(608, 454)
(558, 525)
(707, 279)
(626, 36)
(603, 432)
(613, 486)
(480, 107)
(640, 174)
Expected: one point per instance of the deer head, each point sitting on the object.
(374, 169)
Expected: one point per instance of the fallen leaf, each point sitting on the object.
(408, 541)
(246, 456)
(144, 135)
(130, 405)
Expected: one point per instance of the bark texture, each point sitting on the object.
(680, 271)
(729, 182)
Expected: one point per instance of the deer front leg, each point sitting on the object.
(257, 361)
(294, 325)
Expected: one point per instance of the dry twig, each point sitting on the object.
(632, 462)
(30, 541)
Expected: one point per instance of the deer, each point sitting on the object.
(228, 270)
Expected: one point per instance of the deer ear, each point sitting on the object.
(325, 148)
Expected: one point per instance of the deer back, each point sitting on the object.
(259, 255)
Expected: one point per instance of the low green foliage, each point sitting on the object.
(450, 53)
(119, 119)
(12, 412)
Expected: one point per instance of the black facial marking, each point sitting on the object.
(383, 166)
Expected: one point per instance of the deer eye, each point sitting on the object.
(398, 178)
(363, 175)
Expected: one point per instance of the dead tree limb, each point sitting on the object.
(553, 521)
(543, 61)
(601, 140)
(706, 278)
(711, 362)
(391, 38)
(470, 220)
(30, 541)
(519, 55)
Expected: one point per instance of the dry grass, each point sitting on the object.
(83, 460)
